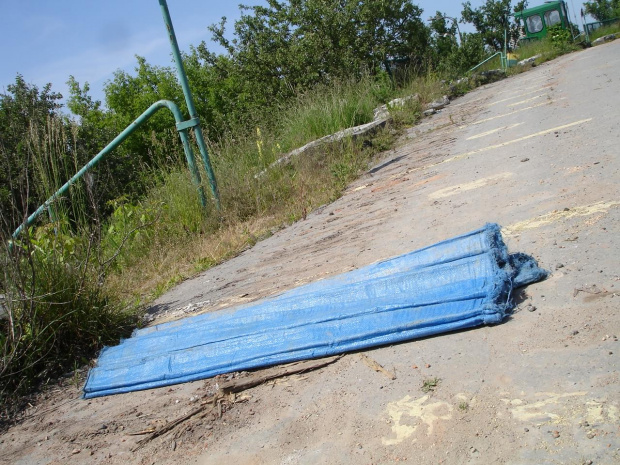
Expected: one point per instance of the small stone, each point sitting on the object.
(590, 435)
(76, 451)
(588, 462)
(574, 333)
(523, 160)
(527, 430)
(610, 352)
(556, 434)
(531, 308)
(559, 265)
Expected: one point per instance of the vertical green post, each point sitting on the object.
(190, 102)
(505, 57)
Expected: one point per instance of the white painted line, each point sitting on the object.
(525, 101)
(538, 89)
(511, 113)
(514, 141)
(493, 131)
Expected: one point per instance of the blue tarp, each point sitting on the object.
(459, 283)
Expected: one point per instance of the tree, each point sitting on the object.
(459, 60)
(93, 130)
(24, 109)
(443, 35)
(491, 20)
(288, 46)
(157, 143)
(602, 10)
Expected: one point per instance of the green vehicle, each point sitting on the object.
(539, 19)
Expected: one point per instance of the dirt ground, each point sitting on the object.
(537, 153)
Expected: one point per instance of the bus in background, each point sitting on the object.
(537, 20)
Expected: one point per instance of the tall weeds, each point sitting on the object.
(69, 281)
(55, 311)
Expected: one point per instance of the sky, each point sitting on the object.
(49, 40)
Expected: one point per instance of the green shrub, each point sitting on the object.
(57, 313)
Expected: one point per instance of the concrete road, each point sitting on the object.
(537, 153)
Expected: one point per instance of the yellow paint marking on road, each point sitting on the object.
(525, 101)
(503, 115)
(558, 215)
(496, 146)
(452, 190)
(540, 411)
(512, 91)
(493, 131)
(514, 141)
(359, 188)
(538, 89)
(511, 113)
(563, 408)
(407, 414)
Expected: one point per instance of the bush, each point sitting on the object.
(57, 315)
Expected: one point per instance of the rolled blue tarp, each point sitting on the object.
(460, 283)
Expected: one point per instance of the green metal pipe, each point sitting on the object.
(202, 146)
(189, 155)
(505, 57)
(490, 58)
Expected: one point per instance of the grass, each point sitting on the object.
(605, 30)
(429, 385)
(494, 63)
(555, 44)
(183, 239)
(58, 315)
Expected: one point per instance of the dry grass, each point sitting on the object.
(184, 242)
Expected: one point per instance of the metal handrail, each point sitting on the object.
(182, 127)
(189, 100)
(501, 54)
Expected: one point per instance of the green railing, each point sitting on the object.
(591, 27)
(502, 59)
(181, 125)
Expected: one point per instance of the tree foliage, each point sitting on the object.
(285, 47)
(492, 19)
(603, 9)
(23, 109)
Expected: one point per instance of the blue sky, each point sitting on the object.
(46, 41)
